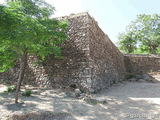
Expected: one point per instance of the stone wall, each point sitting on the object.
(139, 64)
(89, 59)
(71, 68)
(107, 62)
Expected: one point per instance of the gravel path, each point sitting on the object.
(125, 101)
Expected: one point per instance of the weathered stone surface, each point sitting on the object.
(145, 77)
(142, 64)
(107, 62)
(133, 79)
(141, 80)
(77, 91)
(90, 60)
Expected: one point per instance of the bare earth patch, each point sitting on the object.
(125, 101)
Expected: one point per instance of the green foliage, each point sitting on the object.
(27, 93)
(142, 35)
(11, 88)
(26, 25)
(114, 82)
(127, 42)
(34, 8)
(73, 86)
(26, 29)
(91, 101)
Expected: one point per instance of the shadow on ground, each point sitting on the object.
(126, 101)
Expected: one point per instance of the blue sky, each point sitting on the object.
(112, 15)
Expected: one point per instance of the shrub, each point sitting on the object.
(73, 86)
(11, 88)
(27, 93)
(114, 82)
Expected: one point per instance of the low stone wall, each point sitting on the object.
(140, 64)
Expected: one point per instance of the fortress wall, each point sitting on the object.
(72, 68)
(140, 64)
(89, 60)
(107, 61)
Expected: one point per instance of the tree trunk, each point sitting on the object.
(23, 63)
(153, 50)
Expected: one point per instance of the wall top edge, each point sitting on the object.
(142, 55)
(72, 15)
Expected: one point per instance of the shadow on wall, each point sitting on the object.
(10, 76)
(55, 72)
(59, 72)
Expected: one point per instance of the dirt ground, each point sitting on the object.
(125, 101)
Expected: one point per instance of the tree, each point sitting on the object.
(127, 42)
(145, 34)
(26, 29)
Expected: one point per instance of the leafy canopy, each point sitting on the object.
(143, 35)
(26, 24)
